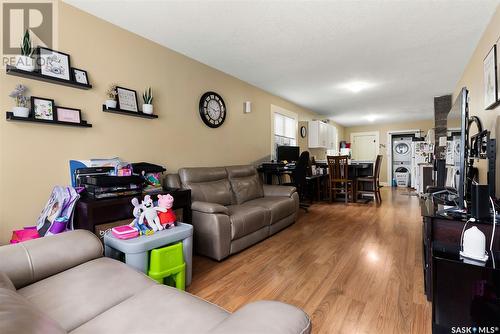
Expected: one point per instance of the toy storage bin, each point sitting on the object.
(167, 266)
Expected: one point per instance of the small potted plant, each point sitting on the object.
(21, 109)
(147, 107)
(24, 61)
(111, 95)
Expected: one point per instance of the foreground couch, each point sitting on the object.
(232, 210)
(62, 284)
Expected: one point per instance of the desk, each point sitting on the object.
(97, 216)
(356, 169)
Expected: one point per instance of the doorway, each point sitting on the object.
(365, 145)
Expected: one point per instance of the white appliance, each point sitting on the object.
(474, 245)
(401, 149)
(421, 155)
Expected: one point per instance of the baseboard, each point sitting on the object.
(385, 184)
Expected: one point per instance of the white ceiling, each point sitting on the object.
(407, 51)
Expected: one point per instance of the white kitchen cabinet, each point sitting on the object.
(322, 135)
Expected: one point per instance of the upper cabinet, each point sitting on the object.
(322, 135)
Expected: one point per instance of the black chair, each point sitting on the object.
(299, 175)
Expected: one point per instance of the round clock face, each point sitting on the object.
(303, 131)
(212, 109)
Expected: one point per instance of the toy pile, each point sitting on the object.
(148, 217)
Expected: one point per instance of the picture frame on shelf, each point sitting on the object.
(127, 99)
(490, 78)
(79, 76)
(54, 63)
(42, 108)
(70, 115)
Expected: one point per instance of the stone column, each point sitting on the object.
(442, 106)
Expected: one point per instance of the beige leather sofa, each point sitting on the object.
(62, 284)
(232, 210)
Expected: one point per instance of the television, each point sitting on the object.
(288, 153)
(458, 118)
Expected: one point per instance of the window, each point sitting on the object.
(285, 130)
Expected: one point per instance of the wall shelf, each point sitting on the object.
(11, 70)
(127, 113)
(10, 117)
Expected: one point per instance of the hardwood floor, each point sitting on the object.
(353, 269)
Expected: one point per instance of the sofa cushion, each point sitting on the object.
(246, 188)
(77, 295)
(246, 219)
(213, 192)
(280, 207)
(17, 315)
(207, 184)
(245, 183)
(158, 309)
(6, 283)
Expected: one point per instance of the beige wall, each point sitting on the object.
(34, 158)
(383, 129)
(472, 78)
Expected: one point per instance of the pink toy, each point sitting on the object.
(124, 232)
(167, 215)
(27, 233)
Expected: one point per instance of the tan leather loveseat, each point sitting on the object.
(232, 209)
(62, 284)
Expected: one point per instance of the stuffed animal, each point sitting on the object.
(150, 213)
(167, 217)
(137, 223)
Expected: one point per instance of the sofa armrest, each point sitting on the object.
(31, 261)
(207, 207)
(172, 181)
(265, 317)
(275, 190)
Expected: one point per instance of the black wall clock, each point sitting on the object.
(303, 131)
(212, 109)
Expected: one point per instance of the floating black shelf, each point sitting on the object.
(11, 70)
(10, 117)
(128, 113)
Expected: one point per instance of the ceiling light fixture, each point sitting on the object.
(371, 118)
(356, 86)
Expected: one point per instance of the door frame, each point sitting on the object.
(390, 133)
(367, 133)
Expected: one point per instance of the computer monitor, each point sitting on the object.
(288, 153)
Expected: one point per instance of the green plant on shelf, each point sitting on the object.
(147, 96)
(26, 48)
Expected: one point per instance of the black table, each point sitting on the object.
(356, 169)
(99, 215)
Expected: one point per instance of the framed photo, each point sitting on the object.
(42, 108)
(70, 115)
(498, 69)
(127, 99)
(54, 63)
(79, 76)
(490, 78)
